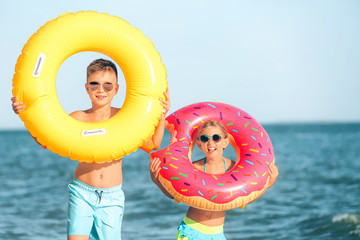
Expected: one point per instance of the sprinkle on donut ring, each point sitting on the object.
(240, 185)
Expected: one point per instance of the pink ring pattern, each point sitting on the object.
(235, 188)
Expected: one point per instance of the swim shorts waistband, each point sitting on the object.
(87, 187)
(203, 228)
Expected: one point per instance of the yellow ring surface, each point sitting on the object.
(35, 76)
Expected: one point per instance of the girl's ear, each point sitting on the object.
(197, 142)
(226, 143)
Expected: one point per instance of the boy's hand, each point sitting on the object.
(165, 103)
(155, 169)
(17, 106)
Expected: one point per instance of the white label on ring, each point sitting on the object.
(94, 132)
(39, 64)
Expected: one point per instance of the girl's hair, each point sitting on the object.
(101, 65)
(213, 123)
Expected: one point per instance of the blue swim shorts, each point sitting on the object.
(191, 230)
(96, 212)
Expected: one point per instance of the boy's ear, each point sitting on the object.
(86, 87)
(116, 88)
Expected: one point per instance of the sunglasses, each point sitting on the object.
(93, 86)
(205, 138)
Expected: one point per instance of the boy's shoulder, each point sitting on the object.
(114, 111)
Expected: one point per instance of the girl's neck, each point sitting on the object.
(214, 159)
(215, 165)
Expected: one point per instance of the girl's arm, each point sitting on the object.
(273, 175)
(273, 172)
(154, 174)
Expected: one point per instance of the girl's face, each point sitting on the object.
(214, 146)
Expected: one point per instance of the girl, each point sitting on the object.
(212, 139)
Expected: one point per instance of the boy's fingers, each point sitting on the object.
(15, 104)
(164, 102)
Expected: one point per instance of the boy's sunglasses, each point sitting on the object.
(93, 86)
(205, 138)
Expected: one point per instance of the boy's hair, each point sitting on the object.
(101, 65)
(213, 123)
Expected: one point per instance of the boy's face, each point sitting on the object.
(102, 87)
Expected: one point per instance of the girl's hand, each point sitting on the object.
(17, 106)
(154, 173)
(273, 172)
(165, 103)
(155, 169)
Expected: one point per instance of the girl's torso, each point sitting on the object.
(206, 217)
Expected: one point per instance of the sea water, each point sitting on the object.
(316, 196)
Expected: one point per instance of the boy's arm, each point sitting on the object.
(154, 174)
(159, 131)
(19, 107)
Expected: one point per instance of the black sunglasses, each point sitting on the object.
(93, 86)
(205, 138)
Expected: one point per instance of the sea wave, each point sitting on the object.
(349, 218)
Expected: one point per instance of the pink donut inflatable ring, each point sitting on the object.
(239, 186)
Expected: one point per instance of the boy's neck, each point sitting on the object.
(100, 113)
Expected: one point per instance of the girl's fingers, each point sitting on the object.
(154, 165)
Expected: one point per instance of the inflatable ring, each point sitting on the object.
(34, 85)
(242, 184)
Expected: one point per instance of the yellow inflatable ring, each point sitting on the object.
(34, 85)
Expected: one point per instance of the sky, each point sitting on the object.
(281, 61)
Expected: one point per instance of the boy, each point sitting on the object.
(96, 200)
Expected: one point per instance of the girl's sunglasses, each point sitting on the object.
(93, 86)
(205, 138)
